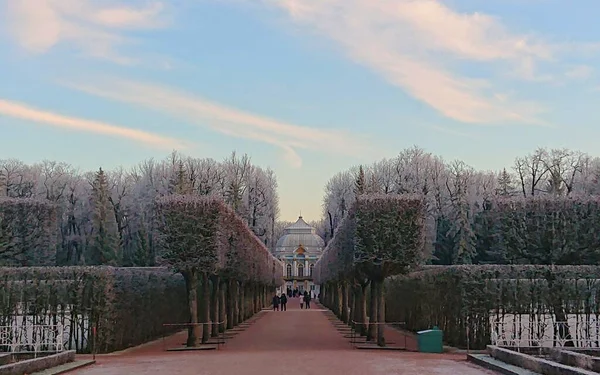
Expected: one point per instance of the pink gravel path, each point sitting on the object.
(293, 342)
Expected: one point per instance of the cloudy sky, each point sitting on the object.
(307, 87)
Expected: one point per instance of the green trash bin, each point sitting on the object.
(430, 341)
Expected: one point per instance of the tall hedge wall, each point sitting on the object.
(127, 305)
(459, 297)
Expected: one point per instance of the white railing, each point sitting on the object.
(544, 333)
(32, 338)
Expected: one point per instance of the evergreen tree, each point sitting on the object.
(505, 184)
(463, 237)
(444, 245)
(489, 244)
(142, 252)
(104, 244)
(178, 183)
(360, 184)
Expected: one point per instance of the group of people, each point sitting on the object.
(282, 300)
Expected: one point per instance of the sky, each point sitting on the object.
(306, 87)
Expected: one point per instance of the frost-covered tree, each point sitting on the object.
(189, 243)
(382, 235)
(360, 185)
(104, 247)
(210, 245)
(505, 184)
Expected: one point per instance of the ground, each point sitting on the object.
(281, 343)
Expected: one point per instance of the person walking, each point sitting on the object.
(275, 302)
(307, 299)
(301, 301)
(283, 300)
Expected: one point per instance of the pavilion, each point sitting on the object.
(299, 248)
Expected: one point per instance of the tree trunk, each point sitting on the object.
(230, 304)
(205, 310)
(254, 298)
(236, 303)
(339, 305)
(345, 301)
(214, 305)
(354, 315)
(372, 331)
(222, 308)
(380, 313)
(242, 303)
(362, 309)
(194, 332)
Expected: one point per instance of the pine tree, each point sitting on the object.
(360, 184)
(505, 184)
(142, 252)
(463, 237)
(178, 183)
(104, 246)
(444, 244)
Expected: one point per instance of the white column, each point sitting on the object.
(295, 268)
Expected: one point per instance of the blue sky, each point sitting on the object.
(307, 87)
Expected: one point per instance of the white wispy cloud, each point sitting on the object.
(226, 120)
(421, 46)
(94, 28)
(22, 111)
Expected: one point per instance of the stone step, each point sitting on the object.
(70, 366)
(493, 364)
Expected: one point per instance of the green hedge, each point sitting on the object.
(459, 297)
(127, 305)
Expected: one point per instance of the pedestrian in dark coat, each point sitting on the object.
(283, 300)
(307, 299)
(276, 302)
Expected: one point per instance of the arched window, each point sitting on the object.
(289, 270)
(312, 267)
(300, 270)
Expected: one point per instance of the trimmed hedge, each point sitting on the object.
(459, 297)
(28, 232)
(128, 306)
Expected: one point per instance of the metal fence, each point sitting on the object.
(525, 333)
(32, 338)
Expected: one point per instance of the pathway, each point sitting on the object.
(289, 342)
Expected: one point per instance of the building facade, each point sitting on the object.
(298, 249)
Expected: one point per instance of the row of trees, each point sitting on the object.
(381, 236)
(107, 217)
(211, 246)
(456, 196)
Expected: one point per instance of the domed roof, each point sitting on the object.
(300, 233)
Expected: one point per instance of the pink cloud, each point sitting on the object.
(25, 112)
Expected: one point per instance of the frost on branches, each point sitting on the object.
(27, 232)
(207, 242)
(381, 236)
(107, 216)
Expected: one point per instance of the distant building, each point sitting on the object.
(299, 248)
